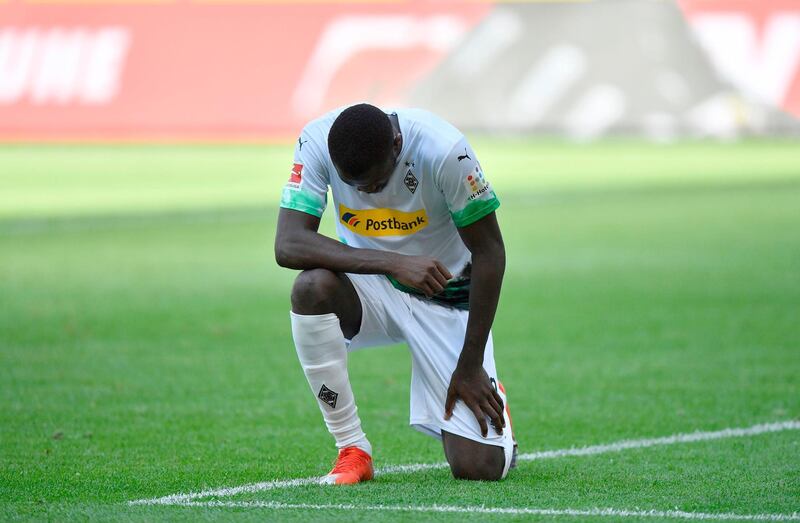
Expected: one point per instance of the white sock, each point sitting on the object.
(321, 349)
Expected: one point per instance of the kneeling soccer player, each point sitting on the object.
(421, 260)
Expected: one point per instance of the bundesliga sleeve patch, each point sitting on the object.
(299, 199)
(297, 174)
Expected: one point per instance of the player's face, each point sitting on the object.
(376, 178)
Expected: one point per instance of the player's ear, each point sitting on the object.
(397, 143)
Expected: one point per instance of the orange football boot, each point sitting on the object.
(352, 466)
(510, 426)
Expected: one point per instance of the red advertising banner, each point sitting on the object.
(754, 44)
(207, 70)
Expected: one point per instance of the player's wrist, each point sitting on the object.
(470, 359)
(389, 264)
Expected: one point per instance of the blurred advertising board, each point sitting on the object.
(166, 70)
(754, 44)
(259, 69)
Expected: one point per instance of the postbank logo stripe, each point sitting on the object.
(383, 222)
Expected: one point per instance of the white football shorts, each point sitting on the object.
(435, 336)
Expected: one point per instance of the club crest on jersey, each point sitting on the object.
(383, 222)
(411, 181)
(475, 183)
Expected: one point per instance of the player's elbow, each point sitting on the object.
(287, 260)
(281, 258)
(284, 255)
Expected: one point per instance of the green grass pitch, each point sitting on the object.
(145, 347)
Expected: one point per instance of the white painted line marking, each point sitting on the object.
(178, 499)
(690, 437)
(603, 512)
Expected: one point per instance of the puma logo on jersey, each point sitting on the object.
(383, 222)
(466, 155)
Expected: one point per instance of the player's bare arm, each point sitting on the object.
(299, 245)
(469, 382)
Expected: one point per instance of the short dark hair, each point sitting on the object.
(360, 137)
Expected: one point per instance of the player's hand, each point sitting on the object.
(422, 273)
(474, 388)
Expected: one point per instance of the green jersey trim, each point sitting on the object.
(474, 211)
(455, 294)
(299, 200)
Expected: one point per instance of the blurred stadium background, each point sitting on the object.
(646, 154)
(258, 69)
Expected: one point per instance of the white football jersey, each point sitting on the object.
(437, 186)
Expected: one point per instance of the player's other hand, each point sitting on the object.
(474, 388)
(421, 272)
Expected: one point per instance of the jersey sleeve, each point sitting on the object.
(467, 191)
(307, 188)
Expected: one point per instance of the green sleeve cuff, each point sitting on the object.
(302, 201)
(474, 211)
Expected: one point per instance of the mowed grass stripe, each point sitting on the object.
(497, 511)
(181, 499)
(48, 181)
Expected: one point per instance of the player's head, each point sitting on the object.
(364, 148)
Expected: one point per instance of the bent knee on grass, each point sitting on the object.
(471, 460)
